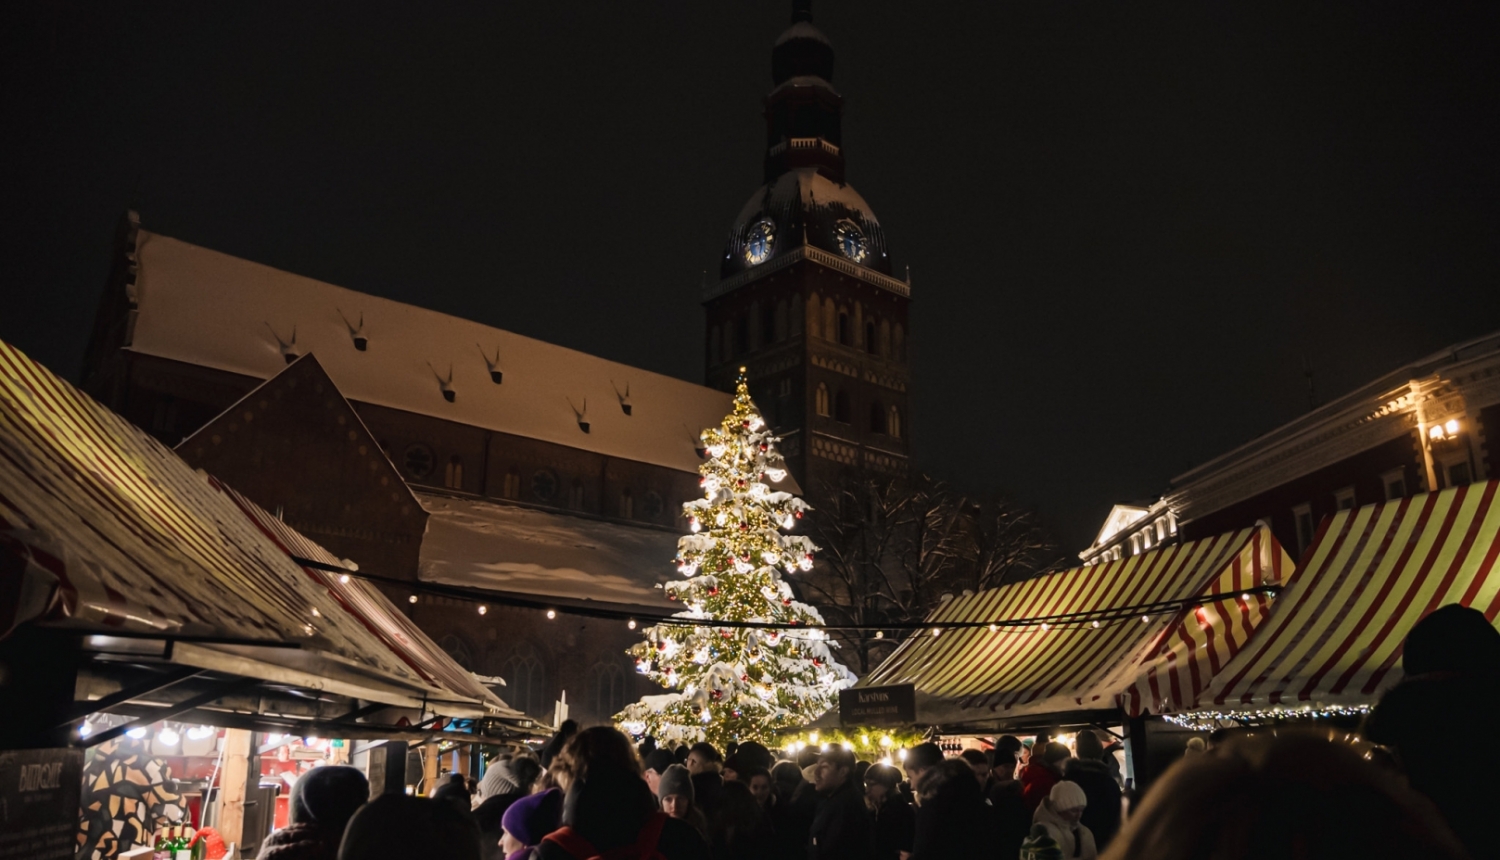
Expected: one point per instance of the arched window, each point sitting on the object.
(453, 475)
(871, 345)
(606, 690)
(779, 329)
(768, 332)
(798, 309)
(814, 316)
(885, 338)
(575, 496)
(526, 681)
(841, 407)
(820, 400)
(830, 320)
(877, 418)
(757, 334)
(893, 427)
(627, 504)
(898, 343)
(512, 489)
(845, 331)
(456, 647)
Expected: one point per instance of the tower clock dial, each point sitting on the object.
(758, 241)
(852, 241)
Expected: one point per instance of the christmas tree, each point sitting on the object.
(731, 682)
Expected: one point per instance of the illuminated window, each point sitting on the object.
(894, 427)
(1303, 518)
(841, 407)
(820, 400)
(453, 474)
(512, 489)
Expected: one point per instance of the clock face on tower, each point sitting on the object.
(758, 241)
(851, 241)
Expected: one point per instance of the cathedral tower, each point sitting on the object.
(805, 298)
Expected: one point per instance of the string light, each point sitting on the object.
(412, 599)
(1207, 721)
(551, 614)
(483, 609)
(630, 624)
(343, 579)
(167, 737)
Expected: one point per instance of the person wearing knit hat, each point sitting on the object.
(1057, 821)
(675, 790)
(654, 766)
(528, 820)
(322, 802)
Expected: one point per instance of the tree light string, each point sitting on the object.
(1210, 720)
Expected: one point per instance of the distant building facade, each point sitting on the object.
(805, 298)
(1432, 424)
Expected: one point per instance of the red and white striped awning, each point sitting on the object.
(1335, 636)
(105, 531)
(1139, 662)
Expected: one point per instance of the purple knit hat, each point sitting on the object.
(534, 816)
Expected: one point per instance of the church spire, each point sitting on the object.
(803, 111)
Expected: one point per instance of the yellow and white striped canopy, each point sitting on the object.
(1335, 635)
(1140, 662)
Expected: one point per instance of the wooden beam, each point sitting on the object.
(429, 767)
(233, 781)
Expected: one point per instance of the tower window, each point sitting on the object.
(898, 343)
(820, 400)
(871, 344)
(741, 335)
(846, 333)
(769, 332)
(575, 496)
(780, 325)
(453, 474)
(512, 488)
(894, 427)
(877, 418)
(841, 407)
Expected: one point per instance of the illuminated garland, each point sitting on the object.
(1207, 721)
(733, 682)
(883, 746)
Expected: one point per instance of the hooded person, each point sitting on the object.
(1092, 774)
(608, 808)
(322, 802)
(1451, 666)
(528, 821)
(1057, 823)
(1044, 771)
(398, 827)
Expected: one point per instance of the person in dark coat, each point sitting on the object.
(1093, 775)
(742, 830)
(895, 819)
(791, 820)
(1012, 818)
(841, 826)
(322, 802)
(706, 764)
(954, 820)
(607, 805)
(1451, 663)
(454, 790)
(398, 827)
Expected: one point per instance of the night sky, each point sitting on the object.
(1129, 225)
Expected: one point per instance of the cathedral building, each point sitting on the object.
(805, 299)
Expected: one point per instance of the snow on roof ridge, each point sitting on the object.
(213, 309)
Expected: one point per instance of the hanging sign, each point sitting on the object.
(39, 803)
(894, 705)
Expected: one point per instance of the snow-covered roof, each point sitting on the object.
(521, 550)
(208, 308)
(804, 185)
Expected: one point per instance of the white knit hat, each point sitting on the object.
(1068, 795)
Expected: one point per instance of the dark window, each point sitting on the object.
(1304, 518)
(543, 485)
(1395, 487)
(870, 344)
(877, 418)
(458, 649)
(575, 496)
(846, 332)
(606, 690)
(741, 334)
(525, 682)
(1458, 475)
(418, 460)
(651, 504)
(768, 333)
(841, 407)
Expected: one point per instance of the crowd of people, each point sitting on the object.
(1265, 794)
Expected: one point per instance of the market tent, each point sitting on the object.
(1099, 650)
(1335, 637)
(115, 538)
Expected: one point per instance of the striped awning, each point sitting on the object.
(1138, 662)
(105, 531)
(1335, 636)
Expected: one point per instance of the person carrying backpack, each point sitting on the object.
(608, 811)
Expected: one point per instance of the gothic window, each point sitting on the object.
(512, 487)
(418, 461)
(820, 400)
(525, 681)
(778, 326)
(894, 427)
(453, 474)
(543, 485)
(841, 407)
(885, 338)
(795, 327)
(651, 504)
(455, 646)
(830, 320)
(898, 343)
(575, 496)
(877, 418)
(627, 504)
(714, 347)
(814, 316)
(606, 690)
(870, 342)
(845, 331)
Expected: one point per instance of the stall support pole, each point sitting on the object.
(233, 781)
(1140, 755)
(429, 767)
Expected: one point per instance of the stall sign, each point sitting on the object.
(893, 705)
(39, 792)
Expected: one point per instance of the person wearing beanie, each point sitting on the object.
(1042, 773)
(895, 820)
(953, 821)
(655, 765)
(528, 820)
(398, 827)
(1058, 821)
(322, 802)
(1092, 773)
(676, 791)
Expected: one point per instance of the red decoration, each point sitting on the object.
(817, 662)
(744, 677)
(661, 646)
(713, 589)
(786, 601)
